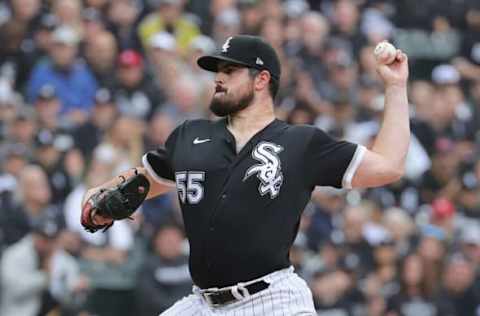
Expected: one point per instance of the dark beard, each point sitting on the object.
(226, 107)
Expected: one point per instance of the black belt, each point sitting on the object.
(225, 296)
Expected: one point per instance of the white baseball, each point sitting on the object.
(385, 52)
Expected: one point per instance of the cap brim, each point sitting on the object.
(210, 63)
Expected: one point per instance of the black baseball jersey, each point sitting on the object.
(241, 210)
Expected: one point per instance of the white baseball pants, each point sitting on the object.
(287, 295)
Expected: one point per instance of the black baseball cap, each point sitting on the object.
(245, 50)
(48, 22)
(103, 96)
(44, 138)
(46, 226)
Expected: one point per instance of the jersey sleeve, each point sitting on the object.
(331, 162)
(158, 162)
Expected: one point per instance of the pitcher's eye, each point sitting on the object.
(229, 70)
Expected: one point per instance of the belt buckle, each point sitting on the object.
(239, 291)
(206, 296)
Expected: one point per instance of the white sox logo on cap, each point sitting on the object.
(247, 51)
(226, 45)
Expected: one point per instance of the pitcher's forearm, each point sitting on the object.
(393, 138)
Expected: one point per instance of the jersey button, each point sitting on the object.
(212, 229)
(224, 196)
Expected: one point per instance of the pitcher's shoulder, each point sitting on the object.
(302, 130)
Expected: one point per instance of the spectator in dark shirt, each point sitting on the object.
(50, 150)
(101, 56)
(135, 94)
(123, 15)
(461, 293)
(414, 298)
(164, 277)
(88, 135)
(35, 202)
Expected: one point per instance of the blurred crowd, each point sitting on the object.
(86, 87)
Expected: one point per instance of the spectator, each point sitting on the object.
(101, 55)
(163, 54)
(345, 19)
(35, 202)
(50, 147)
(421, 94)
(90, 134)
(25, 11)
(74, 83)
(272, 31)
(9, 102)
(97, 4)
(123, 15)
(354, 221)
(470, 244)
(182, 102)
(68, 285)
(16, 61)
(333, 292)
(69, 13)
(413, 298)
(468, 194)
(328, 204)
(48, 108)
(123, 143)
(23, 127)
(375, 25)
(251, 16)
(442, 216)
(135, 95)
(14, 159)
(164, 277)
(474, 98)
(160, 126)
(468, 63)
(18, 55)
(29, 258)
(93, 23)
(454, 115)
(343, 75)
(14, 156)
(440, 178)
(400, 225)
(168, 17)
(43, 35)
(385, 260)
(460, 295)
(432, 249)
(314, 31)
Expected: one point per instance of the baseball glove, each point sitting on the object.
(116, 203)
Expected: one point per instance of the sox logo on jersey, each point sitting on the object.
(269, 170)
